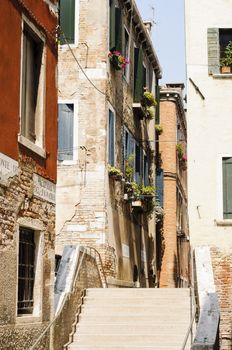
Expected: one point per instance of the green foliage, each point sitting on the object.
(149, 99)
(129, 168)
(150, 112)
(158, 129)
(179, 150)
(226, 60)
(147, 190)
(112, 170)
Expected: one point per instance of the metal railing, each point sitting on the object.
(194, 311)
(79, 265)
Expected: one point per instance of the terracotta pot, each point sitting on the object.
(225, 69)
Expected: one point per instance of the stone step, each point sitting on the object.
(126, 347)
(132, 318)
(117, 339)
(124, 328)
(139, 310)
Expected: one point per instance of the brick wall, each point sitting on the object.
(222, 267)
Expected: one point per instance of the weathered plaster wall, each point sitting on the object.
(20, 206)
(95, 212)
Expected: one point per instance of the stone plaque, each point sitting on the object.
(8, 167)
(44, 189)
(125, 251)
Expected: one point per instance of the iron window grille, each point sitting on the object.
(26, 271)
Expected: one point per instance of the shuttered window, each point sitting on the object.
(115, 42)
(138, 74)
(32, 85)
(67, 20)
(227, 187)
(218, 39)
(138, 164)
(111, 138)
(65, 131)
(145, 171)
(160, 185)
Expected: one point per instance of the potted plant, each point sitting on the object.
(118, 60)
(115, 172)
(147, 191)
(183, 162)
(179, 150)
(226, 60)
(148, 102)
(158, 129)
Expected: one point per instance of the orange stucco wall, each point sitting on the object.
(10, 56)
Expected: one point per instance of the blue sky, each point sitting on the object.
(168, 36)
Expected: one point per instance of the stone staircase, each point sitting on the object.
(133, 318)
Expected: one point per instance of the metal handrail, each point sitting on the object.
(192, 319)
(101, 263)
(62, 305)
(67, 294)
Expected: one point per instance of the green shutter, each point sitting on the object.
(67, 20)
(227, 187)
(112, 24)
(118, 29)
(213, 51)
(138, 74)
(157, 109)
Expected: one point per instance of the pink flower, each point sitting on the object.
(184, 157)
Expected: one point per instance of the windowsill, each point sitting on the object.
(31, 146)
(67, 162)
(24, 319)
(222, 76)
(225, 222)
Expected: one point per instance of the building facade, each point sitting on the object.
(208, 37)
(28, 142)
(172, 153)
(107, 133)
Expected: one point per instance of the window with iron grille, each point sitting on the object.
(26, 270)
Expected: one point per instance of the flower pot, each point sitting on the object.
(225, 69)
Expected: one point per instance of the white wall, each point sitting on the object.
(209, 125)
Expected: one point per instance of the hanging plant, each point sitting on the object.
(115, 172)
(118, 60)
(158, 129)
(148, 99)
(179, 150)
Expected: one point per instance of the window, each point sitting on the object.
(227, 187)
(65, 131)
(160, 185)
(115, 35)
(218, 39)
(138, 74)
(126, 53)
(67, 20)
(32, 87)
(138, 164)
(26, 271)
(111, 137)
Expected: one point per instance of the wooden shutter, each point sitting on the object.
(213, 51)
(111, 138)
(145, 172)
(65, 131)
(67, 20)
(227, 187)
(160, 185)
(157, 109)
(118, 29)
(138, 164)
(138, 74)
(112, 24)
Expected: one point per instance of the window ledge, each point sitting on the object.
(67, 162)
(222, 76)
(24, 319)
(223, 222)
(33, 147)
